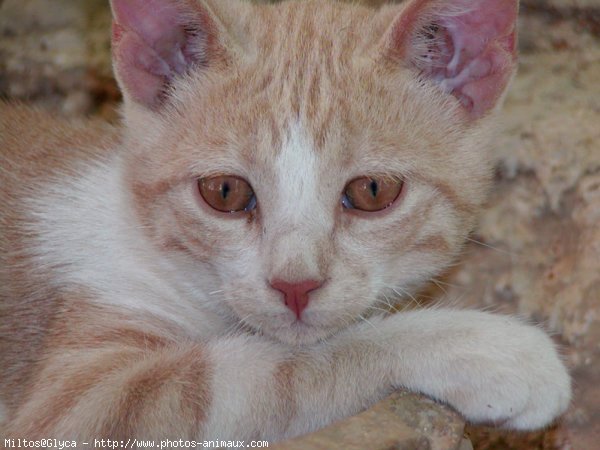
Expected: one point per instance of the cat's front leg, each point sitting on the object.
(491, 368)
(119, 381)
(122, 382)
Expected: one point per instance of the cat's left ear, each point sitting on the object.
(156, 41)
(467, 47)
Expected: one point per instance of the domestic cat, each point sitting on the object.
(216, 265)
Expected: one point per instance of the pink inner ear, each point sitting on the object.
(484, 49)
(150, 46)
(468, 47)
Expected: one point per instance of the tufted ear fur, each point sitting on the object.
(467, 47)
(155, 41)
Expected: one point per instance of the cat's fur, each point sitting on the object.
(130, 309)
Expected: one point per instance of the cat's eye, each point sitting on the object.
(371, 194)
(228, 194)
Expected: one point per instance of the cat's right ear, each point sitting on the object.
(156, 41)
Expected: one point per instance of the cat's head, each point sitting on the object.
(309, 159)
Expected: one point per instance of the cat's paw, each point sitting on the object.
(520, 384)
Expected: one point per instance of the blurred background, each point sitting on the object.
(537, 250)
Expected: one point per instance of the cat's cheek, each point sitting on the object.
(177, 225)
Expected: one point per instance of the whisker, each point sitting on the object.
(386, 311)
(412, 297)
(216, 292)
(483, 244)
(445, 283)
(439, 285)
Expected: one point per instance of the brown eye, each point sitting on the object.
(371, 193)
(227, 194)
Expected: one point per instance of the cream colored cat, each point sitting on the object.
(215, 267)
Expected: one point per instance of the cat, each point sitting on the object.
(216, 266)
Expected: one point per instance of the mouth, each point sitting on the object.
(314, 325)
(298, 332)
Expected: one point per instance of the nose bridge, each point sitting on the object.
(298, 223)
(297, 254)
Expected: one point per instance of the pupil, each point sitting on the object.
(374, 188)
(225, 190)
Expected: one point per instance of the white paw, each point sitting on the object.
(520, 382)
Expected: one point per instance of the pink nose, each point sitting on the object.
(296, 294)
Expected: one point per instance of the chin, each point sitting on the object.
(299, 333)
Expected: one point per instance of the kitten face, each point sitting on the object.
(309, 107)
